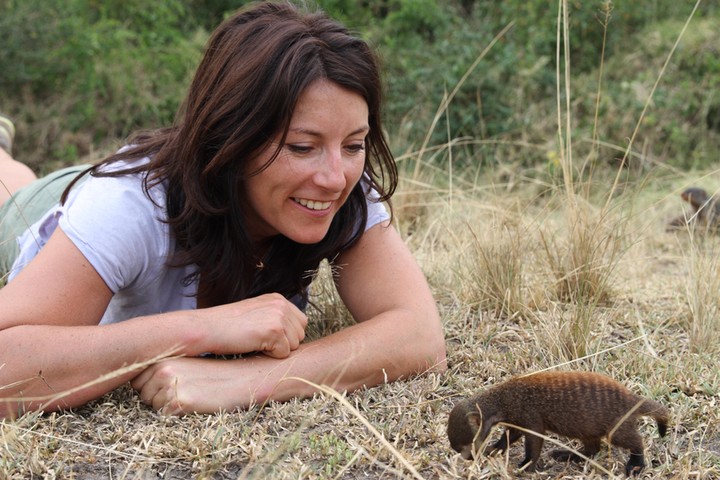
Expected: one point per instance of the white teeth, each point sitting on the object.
(313, 204)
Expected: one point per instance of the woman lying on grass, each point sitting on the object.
(199, 239)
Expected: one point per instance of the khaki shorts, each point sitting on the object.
(26, 207)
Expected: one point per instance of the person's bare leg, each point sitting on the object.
(13, 174)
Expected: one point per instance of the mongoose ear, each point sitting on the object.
(475, 419)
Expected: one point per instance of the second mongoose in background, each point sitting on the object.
(705, 211)
(583, 405)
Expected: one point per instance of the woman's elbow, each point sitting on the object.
(437, 354)
(430, 346)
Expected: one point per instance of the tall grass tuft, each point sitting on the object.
(326, 312)
(702, 324)
(582, 263)
(583, 259)
(494, 269)
(569, 332)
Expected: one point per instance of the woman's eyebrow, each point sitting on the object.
(306, 131)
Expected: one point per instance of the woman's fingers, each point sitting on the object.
(268, 323)
(151, 383)
(157, 386)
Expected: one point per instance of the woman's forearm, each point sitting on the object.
(390, 346)
(52, 367)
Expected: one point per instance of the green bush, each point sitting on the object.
(77, 74)
(100, 68)
(501, 99)
(678, 128)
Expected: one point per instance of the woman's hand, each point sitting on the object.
(205, 385)
(185, 385)
(269, 323)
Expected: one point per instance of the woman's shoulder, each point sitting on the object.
(119, 225)
(131, 190)
(117, 203)
(376, 210)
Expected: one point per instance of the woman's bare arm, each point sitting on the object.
(51, 343)
(398, 334)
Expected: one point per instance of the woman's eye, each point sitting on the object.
(356, 148)
(299, 149)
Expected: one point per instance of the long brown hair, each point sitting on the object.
(256, 65)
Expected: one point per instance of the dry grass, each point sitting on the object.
(703, 261)
(648, 333)
(528, 276)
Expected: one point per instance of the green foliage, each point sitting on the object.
(678, 127)
(332, 452)
(355, 14)
(207, 14)
(427, 47)
(99, 69)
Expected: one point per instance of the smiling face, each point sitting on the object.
(321, 161)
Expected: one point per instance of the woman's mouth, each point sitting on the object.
(312, 204)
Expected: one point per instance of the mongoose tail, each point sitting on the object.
(657, 411)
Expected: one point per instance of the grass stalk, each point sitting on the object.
(702, 291)
(495, 270)
(650, 96)
(448, 99)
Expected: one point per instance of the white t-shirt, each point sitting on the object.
(121, 232)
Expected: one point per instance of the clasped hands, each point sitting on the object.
(269, 325)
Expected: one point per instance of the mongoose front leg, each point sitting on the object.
(533, 447)
(509, 436)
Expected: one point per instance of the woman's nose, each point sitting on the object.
(331, 173)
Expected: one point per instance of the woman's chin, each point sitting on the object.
(308, 237)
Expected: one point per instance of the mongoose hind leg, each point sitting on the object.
(590, 447)
(627, 436)
(635, 464)
(533, 447)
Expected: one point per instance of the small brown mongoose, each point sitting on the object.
(705, 210)
(583, 405)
